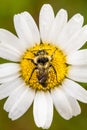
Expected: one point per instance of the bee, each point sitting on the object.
(42, 62)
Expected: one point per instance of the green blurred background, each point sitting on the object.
(7, 10)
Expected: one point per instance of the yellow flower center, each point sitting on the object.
(43, 66)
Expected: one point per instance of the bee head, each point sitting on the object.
(41, 52)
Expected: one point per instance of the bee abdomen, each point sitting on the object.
(42, 78)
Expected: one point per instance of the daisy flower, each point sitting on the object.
(44, 66)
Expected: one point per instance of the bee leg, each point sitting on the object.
(32, 72)
(31, 60)
(53, 54)
(54, 71)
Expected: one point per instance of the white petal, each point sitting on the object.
(9, 78)
(13, 98)
(45, 21)
(61, 103)
(7, 88)
(8, 69)
(77, 58)
(10, 40)
(78, 73)
(8, 53)
(77, 41)
(22, 104)
(76, 110)
(75, 90)
(43, 109)
(70, 29)
(57, 26)
(26, 29)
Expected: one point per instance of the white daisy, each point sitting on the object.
(44, 72)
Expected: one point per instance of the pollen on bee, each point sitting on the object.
(43, 67)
